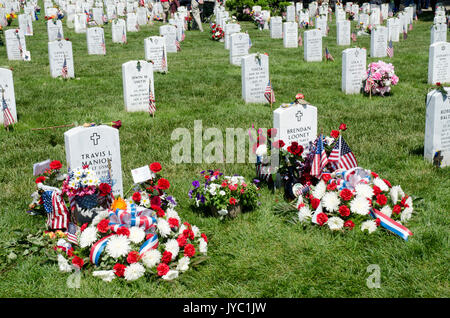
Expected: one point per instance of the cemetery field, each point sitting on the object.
(258, 254)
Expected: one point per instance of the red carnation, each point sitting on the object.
(163, 184)
(104, 189)
(272, 132)
(381, 199)
(162, 269)
(377, 221)
(115, 124)
(133, 257)
(374, 174)
(278, 144)
(119, 269)
(166, 257)
(315, 203)
(188, 233)
(78, 262)
(204, 237)
(334, 133)
(103, 226)
(40, 179)
(83, 227)
(159, 212)
(332, 186)
(295, 148)
(349, 224)
(346, 195)
(232, 201)
(189, 250)
(397, 209)
(155, 167)
(70, 252)
(388, 183)
(344, 210)
(156, 200)
(55, 165)
(181, 240)
(343, 127)
(326, 177)
(136, 197)
(376, 190)
(123, 231)
(173, 222)
(322, 218)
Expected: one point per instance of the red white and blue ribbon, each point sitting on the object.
(391, 225)
(97, 249)
(132, 217)
(151, 243)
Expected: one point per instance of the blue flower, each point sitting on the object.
(196, 184)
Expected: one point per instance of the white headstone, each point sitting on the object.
(141, 15)
(340, 15)
(80, 23)
(303, 16)
(393, 25)
(343, 32)
(97, 15)
(54, 30)
(322, 25)
(255, 77)
(15, 44)
(353, 69)
(155, 51)
(7, 92)
(266, 17)
(95, 146)
(239, 47)
(169, 32)
(230, 28)
(295, 122)
(378, 42)
(137, 77)
(439, 63)
(364, 19)
(96, 41)
(312, 45)
(276, 28)
(437, 127)
(26, 24)
(290, 34)
(290, 13)
(438, 33)
(119, 31)
(132, 25)
(58, 52)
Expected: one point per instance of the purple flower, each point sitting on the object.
(202, 172)
(190, 194)
(172, 200)
(196, 184)
(256, 181)
(202, 199)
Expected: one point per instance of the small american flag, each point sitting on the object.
(369, 82)
(320, 159)
(103, 45)
(151, 101)
(8, 118)
(72, 238)
(390, 49)
(328, 56)
(183, 35)
(342, 155)
(124, 36)
(410, 27)
(269, 93)
(163, 61)
(177, 44)
(300, 40)
(353, 36)
(64, 70)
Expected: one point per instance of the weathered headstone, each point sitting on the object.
(290, 34)
(155, 51)
(96, 41)
(439, 63)
(95, 147)
(378, 42)
(60, 56)
(295, 122)
(7, 92)
(255, 77)
(437, 128)
(137, 77)
(239, 47)
(353, 69)
(312, 46)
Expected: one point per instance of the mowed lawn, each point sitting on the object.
(258, 254)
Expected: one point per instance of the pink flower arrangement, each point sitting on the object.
(380, 78)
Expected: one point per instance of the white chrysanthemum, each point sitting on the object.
(88, 236)
(364, 190)
(151, 258)
(331, 201)
(63, 264)
(203, 246)
(134, 271)
(335, 223)
(163, 227)
(183, 264)
(370, 226)
(381, 184)
(222, 193)
(261, 150)
(360, 205)
(396, 193)
(117, 246)
(172, 247)
(171, 274)
(171, 213)
(137, 235)
(406, 214)
(386, 210)
(304, 215)
(196, 230)
(319, 190)
(106, 276)
(103, 214)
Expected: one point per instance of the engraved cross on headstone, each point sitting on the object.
(95, 137)
(299, 115)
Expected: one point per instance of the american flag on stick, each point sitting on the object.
(151, 100)
(163, 61)
(177, 44)
(328, 56)
(269, 93)
(300, 40)
(353, 36)
(320, 159)
(124, 36)
(390, 49)
(342, 155)
(8, 118)
(64, 70)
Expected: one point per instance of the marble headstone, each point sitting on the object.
(58, 51)
(255, 77)
(7, 91)
(137, 77)
(439, 63)
(312, 45)
(155, 51)
(353, 70)
(239, 47)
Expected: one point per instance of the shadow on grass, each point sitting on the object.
(417, 151)
(426, 16)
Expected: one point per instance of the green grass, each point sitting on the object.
(258, 254)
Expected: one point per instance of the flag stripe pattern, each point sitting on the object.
(269, 94)
(8, 118)
(390, 49)
(320, 159)
(343, 156)
(151, 101)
